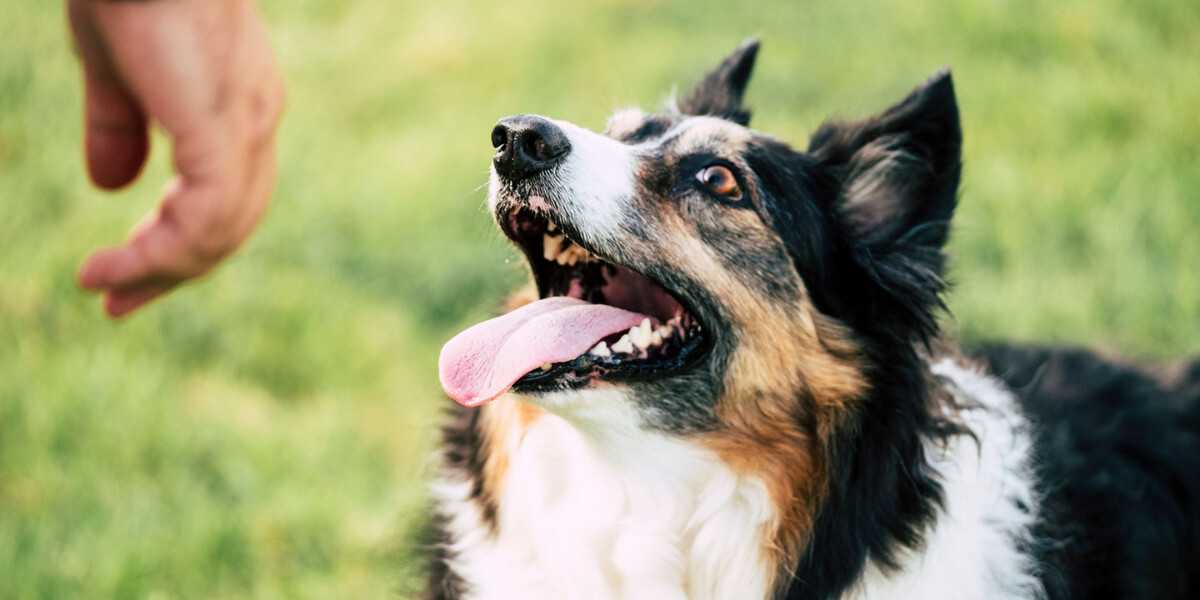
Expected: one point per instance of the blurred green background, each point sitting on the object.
(264, 433)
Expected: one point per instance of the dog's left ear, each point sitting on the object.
(896, 176)
(720, 93)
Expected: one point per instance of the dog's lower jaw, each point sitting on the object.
(591, 505)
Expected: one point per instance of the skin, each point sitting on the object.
(205, 73)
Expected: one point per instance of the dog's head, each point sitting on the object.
(763, 302)
(705, 269)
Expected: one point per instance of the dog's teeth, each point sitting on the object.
(551, 246)
(601, 350)
(665, 332)
(641, 335)
(646, 327)
(582, 255)
(552, 227)
(567, 253)
(623, 345)
(645, 335)
(547, 366)
(656, 339)
(570, 255)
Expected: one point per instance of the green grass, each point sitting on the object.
(264, 433)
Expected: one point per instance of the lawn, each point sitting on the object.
(264, 433)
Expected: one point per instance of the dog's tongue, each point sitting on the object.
(485, 360)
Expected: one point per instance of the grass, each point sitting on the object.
(263, 434)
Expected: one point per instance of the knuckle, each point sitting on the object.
(210, 238)
(208, 249)
(266, 112)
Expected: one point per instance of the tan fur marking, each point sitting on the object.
(504, 422)
(792, 382)
(789, 391)
(526, 295)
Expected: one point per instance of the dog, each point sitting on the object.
(728, 380)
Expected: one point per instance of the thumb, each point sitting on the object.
(116, 141)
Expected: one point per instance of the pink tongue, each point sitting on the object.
(485, 360)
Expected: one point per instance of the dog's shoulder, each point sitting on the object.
(1117, 452)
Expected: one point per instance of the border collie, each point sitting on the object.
(727, 380)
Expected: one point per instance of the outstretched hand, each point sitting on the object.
(204, 71)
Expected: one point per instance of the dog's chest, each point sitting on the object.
(631, 515)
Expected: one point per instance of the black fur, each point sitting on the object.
(462, 454)
(462, 459)
(894, 180)
(433, 541)
(720, 93)
(650, 128)
(1119, 459)
(872, 258)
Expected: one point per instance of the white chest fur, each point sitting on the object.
(973, 550)
(595, 507)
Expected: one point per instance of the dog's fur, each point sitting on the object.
(830, 443)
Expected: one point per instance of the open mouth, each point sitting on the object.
(596, 320)
(662, 341)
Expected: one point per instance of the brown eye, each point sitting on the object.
(720, 180)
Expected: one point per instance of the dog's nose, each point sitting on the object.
(527, 145)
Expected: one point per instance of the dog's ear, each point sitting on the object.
(896, 177)
(720, 93)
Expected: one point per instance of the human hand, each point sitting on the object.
(204, 71)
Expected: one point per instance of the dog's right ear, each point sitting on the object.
(720, 93)
(896, 177)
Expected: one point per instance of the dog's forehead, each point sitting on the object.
(678, 134)
(706, 134)
(625, 122)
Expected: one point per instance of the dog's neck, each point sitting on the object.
(588, 504)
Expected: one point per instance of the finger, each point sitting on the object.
(110, 268)
(120, 303)
(116, 141)
(158, 254)
(158, 250)
(116, 138)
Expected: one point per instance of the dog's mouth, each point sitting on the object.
(661, 342)
(596, 320)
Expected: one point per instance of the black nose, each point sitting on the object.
(527, 145)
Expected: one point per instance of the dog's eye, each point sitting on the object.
(720, 181)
